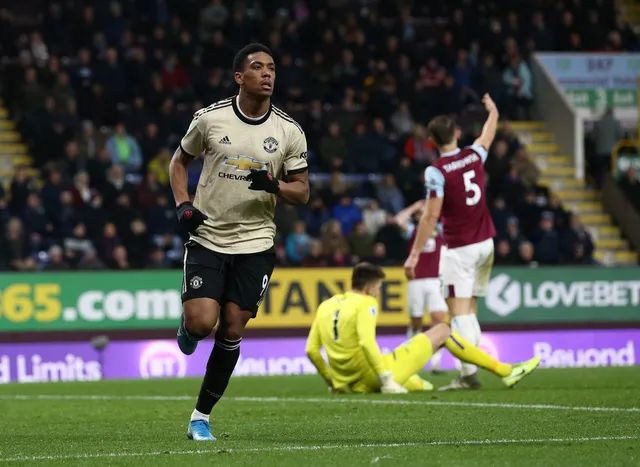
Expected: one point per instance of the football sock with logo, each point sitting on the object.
(222, 361)
(465, 326)
(465, 351)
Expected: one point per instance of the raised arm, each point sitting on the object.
(490, 125)
(402, 218)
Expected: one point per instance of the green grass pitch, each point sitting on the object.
(570, 417)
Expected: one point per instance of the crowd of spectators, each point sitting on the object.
(103, 91)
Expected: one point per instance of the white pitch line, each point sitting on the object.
(90, 397)
(319, 400)
(222, 449)
(497, 405)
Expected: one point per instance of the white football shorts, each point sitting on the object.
(425, 294)
(466, 270)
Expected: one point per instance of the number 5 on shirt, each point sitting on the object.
(471, 188)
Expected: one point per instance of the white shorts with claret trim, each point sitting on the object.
(425, 294)
(466, 270)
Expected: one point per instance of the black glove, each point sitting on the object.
(189, 217)
(262, 180)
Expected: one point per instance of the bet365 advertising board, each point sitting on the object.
(151, 299)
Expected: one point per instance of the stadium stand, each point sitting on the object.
(96, 96)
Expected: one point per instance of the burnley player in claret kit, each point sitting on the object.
(455, 185)
(424, 291)
(248, 145)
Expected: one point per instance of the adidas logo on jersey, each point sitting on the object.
(225, 140)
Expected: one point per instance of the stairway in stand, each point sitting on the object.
(558, 176)
(13, 152)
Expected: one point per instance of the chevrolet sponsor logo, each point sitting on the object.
(245, 163)
(233, 176)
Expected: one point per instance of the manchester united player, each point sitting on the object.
(425, 289)
(456, 193)
(248, 146)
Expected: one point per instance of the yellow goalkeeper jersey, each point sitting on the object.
(345, 325)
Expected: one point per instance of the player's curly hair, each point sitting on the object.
(243, 53)
(365, 274)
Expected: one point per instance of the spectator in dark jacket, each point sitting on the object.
(34, 216)
(505, 256)
(21, 186)
(317, 216)
(107, 243)
(500, 214)
(56, 260)
(547, 241)
(577, 245)
(161, 218)
(15, 250)
(333, 149)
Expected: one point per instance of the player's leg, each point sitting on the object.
(458, 275)
(437, 318)
(438, 313)
(247, 281)
(416, 304)
(483, 274)
(410, 357)
(202, 290)
(511, 374)
(442, 335)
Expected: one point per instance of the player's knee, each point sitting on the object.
(233, 323)
(198, 326)
(438, 317)
(231, 330)
(438, 335)
(200, 317)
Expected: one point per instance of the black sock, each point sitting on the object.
(222, 361)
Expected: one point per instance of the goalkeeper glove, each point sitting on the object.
(189, 217)
(388, 385)
(332, 388)
(262, 180)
